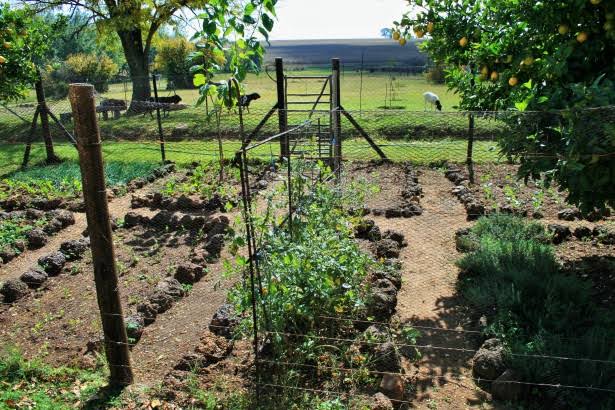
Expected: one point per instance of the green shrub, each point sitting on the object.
(173, 61)
(90, 68)
(537, 308)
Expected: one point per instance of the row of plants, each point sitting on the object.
(64, 180)
(312, 269)
(539, 311)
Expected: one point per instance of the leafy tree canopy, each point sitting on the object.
(23, 42)
(529, 55)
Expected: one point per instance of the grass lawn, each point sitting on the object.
(367, 93)
(185, 152)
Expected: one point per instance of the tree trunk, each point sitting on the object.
(137, 59)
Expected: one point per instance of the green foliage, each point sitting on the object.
(224, 19)
(173, 60)
(315, 271)
(14, 230)
(204, 181)
(537, 308)
(554, 55)
(64, 180)
(23, 42)
(91, 68)
(30, 383)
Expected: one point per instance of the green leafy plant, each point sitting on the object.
(537, 309)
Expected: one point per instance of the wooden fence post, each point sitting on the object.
(97, 211)
(159, 120)
(336, 123)
(282, 112)
(43, 110)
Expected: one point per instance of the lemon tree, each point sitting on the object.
(527, 55)
(23, 41)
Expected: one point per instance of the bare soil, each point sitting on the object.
(428, 299)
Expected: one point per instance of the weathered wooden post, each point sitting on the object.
(336, 118)
(159, 120)
(282, 109)
(97, 211)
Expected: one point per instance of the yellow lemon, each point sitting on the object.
(396, 35)
(512, 81)
(419, 33)
(528, 61)
(484, 70)
(563, 29)
(582, 37)
(463, 42)
(402, 41)
(2, 60)
(494, 76)
(7, 44)
(595, 2)
(430, 27)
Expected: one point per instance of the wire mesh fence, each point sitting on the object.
(398, 290)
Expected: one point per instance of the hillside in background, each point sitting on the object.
(376, 52)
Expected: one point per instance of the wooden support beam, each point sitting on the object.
(282, 109)
(364, 134)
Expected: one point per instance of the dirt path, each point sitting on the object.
(428, 299)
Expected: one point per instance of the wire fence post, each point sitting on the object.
(101, 238)
(336, 101)
(159, 120)
(282, 112)
(469, 160)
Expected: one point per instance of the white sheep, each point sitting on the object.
(433, 100)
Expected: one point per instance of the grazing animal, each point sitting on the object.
(245, 100)
(164, 104)
(433, 100)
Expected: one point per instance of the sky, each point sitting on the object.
(325, 19)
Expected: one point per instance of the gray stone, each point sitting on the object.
(189, 273)
(13, 290)
(395, 236)
(386, 358)
(36, 238)
(34, 278)
(160, 301)
(52, 263)
(488, 362)
(474, 210)
(507, 388)
(559, 233)
(149, 311)
(135, 324)
(224, 321)
(74, 249)
(582, 232)
(383, 300)
(380, 402)
(171, 287)
(387, 248)
(53, 226)
(214, 245)
(568, 214)
(65, 217)
(132, 219)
